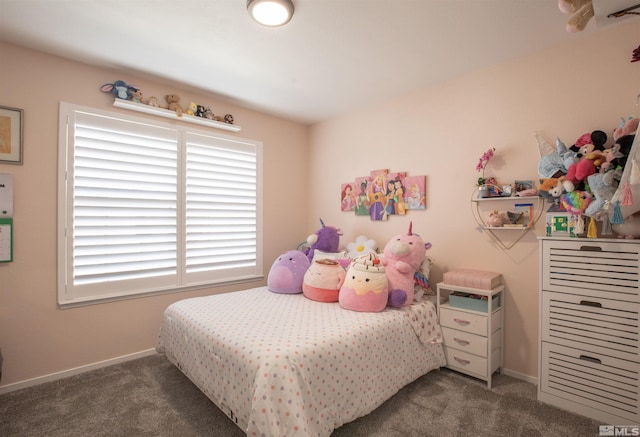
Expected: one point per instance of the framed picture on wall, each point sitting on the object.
(10, 135)
(348, 197)
(416, 195)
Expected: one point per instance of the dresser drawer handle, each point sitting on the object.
(591, 248)
(590, 303)
(461, 341)
(461, 360)
(590, 359)
(461, 321)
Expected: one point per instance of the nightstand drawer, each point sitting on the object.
(465, 362)
(467, 321)
(471, 343)
(473, 364)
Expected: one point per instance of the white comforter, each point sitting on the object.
(283, 365)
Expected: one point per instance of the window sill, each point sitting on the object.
(96, 300)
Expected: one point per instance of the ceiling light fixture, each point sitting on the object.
(271, 13)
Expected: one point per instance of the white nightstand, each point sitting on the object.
(473, 339)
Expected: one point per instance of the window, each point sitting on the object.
(147, 207)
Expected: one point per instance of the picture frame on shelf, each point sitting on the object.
(11, 129)
(522, 185)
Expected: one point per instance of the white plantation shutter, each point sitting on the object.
(147, 207)
(221, 206)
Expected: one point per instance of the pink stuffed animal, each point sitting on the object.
(581, 170)
(589, 148)
(323, 280)
(365, 287)
(628, 127)
(403, 256)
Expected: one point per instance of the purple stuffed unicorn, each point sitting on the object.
(326, 239)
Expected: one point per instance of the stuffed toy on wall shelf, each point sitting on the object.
(119, 89)
(174, 103)
(192, 109)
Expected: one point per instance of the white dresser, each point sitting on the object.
(589, 327)
(472, 339)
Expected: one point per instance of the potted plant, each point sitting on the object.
(483, 189)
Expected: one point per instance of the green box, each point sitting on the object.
(561, 224)
(473, 301)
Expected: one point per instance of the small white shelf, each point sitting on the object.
(161, 112)
(505, 231)
(509, 198)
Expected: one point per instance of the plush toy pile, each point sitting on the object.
(359, 279)
(122, 91)
(588, 177)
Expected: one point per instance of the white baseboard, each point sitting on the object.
(521, 376)
(110, 362)
(75, 371)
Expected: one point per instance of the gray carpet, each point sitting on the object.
(150, 397)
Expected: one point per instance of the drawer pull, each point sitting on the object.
(461, 321)
(591, 248)
(461, 360)
(590, 303)
(461, 341)
(590, 359)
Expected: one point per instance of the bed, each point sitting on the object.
(284, 365)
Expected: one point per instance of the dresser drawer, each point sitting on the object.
(466, 362)
(470, 363)
(603, 326)
(469, 322)
(592, 268)
(471, 343)
(598, 381)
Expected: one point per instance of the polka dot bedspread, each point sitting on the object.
(284, 365)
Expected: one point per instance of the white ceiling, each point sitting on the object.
(333, 57)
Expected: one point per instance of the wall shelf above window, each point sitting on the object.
(161, 112)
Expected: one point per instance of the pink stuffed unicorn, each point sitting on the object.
(403, 256)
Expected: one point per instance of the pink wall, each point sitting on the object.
(442, 130)
(36, 337)
(439, 131)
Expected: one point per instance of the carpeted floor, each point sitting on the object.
(150, 397)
